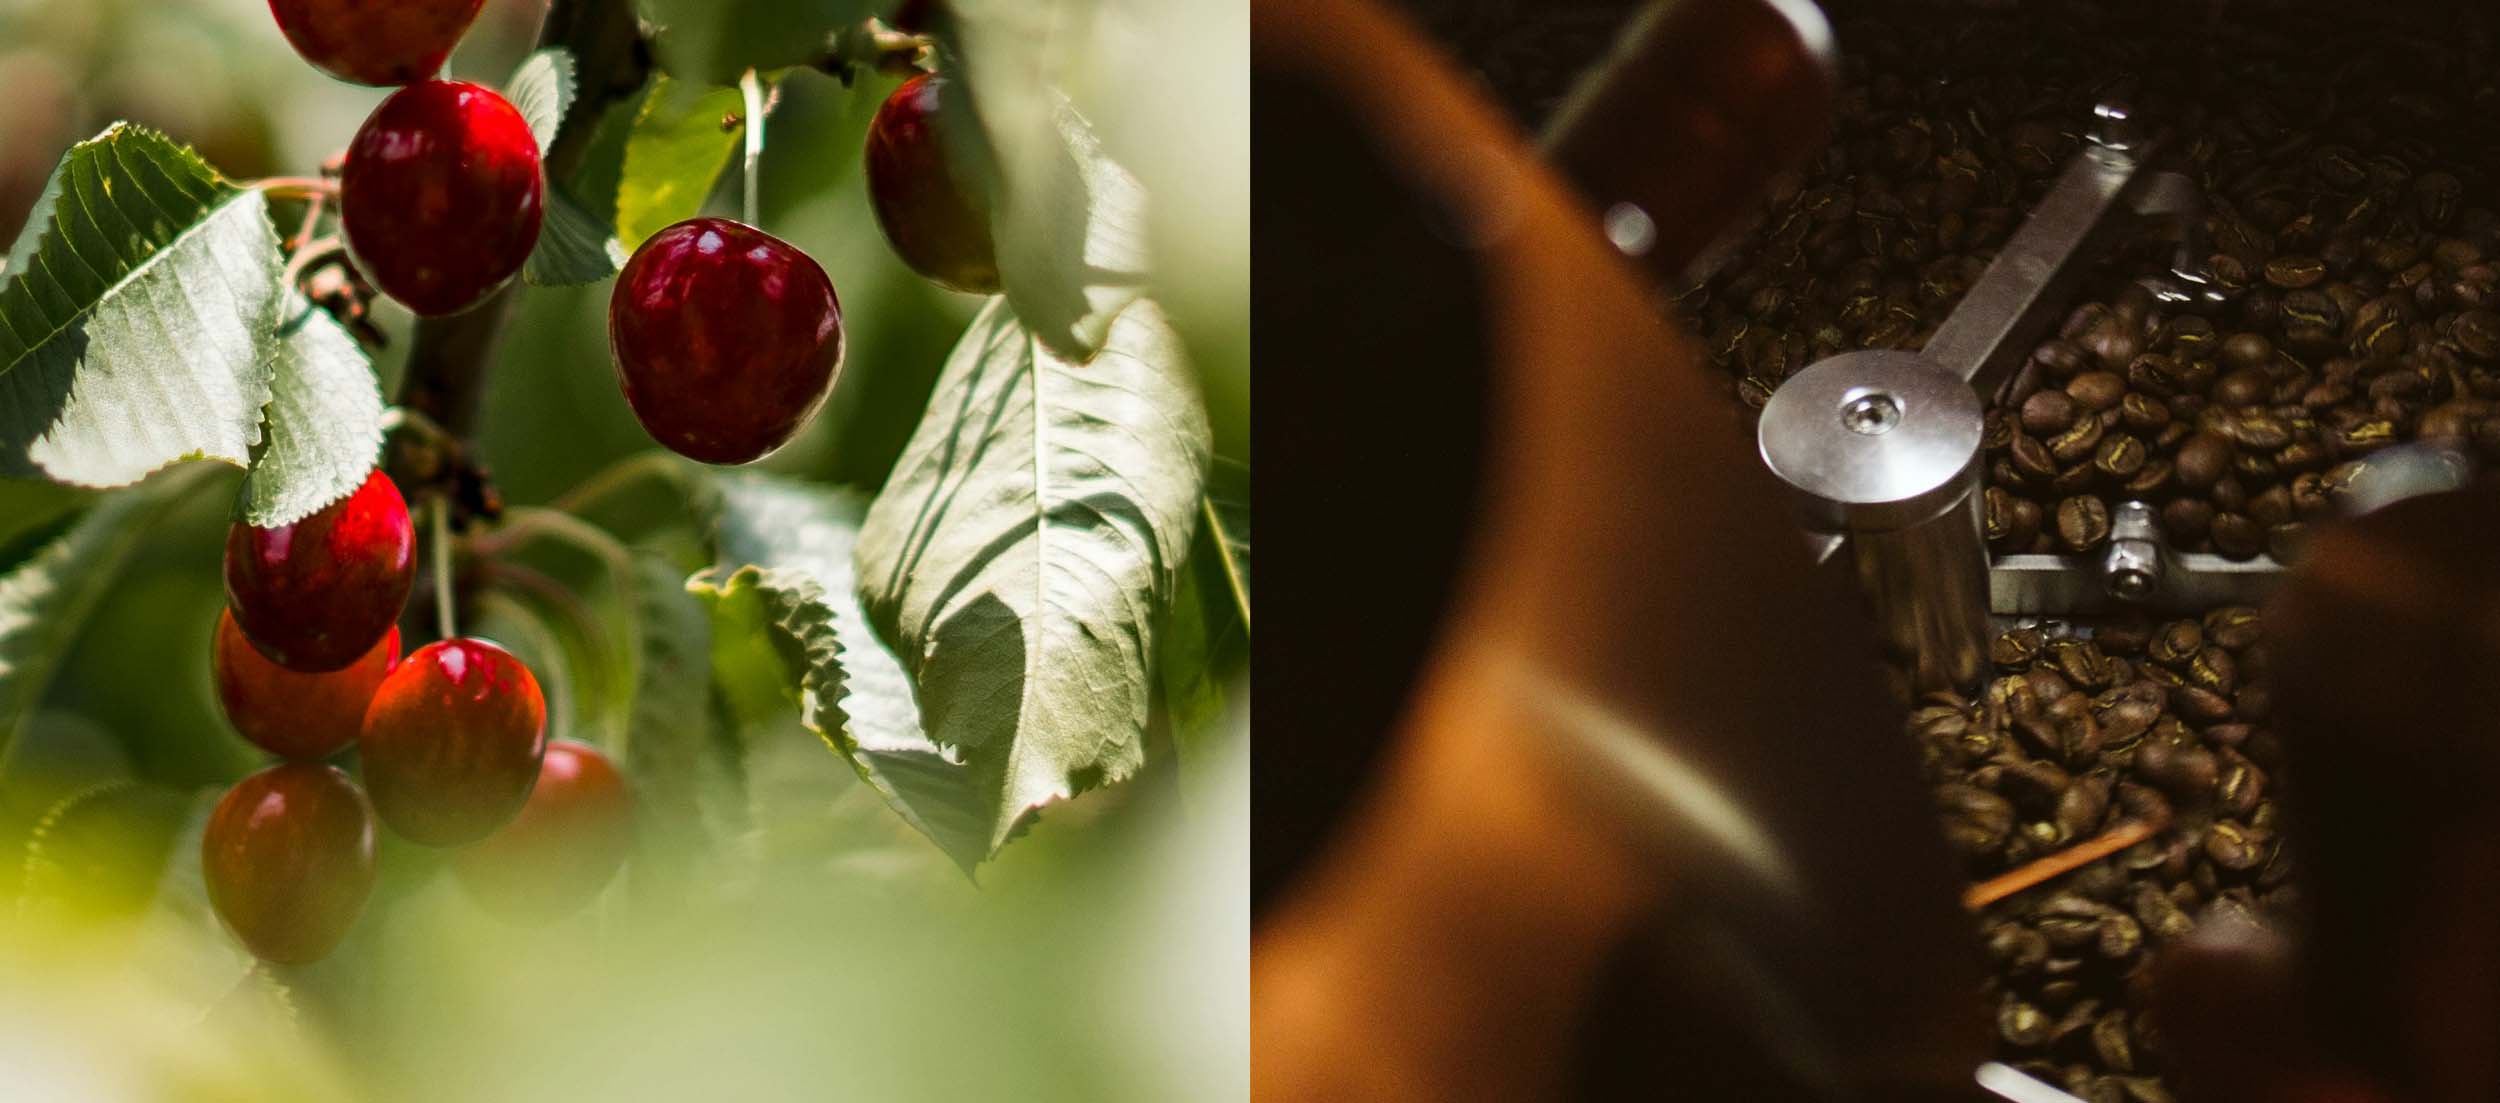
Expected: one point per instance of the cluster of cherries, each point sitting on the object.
(451, 740)
(726, 338)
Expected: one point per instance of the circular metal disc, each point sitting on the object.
(1874, 440)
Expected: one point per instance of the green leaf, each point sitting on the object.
(786, 580)
(324, 420)
(712, 41)
(142, 330)
(674, 155)
(573, 247)
(1205, 646)
(542, 91)
(1069, 223)
(46, 596)
(1023, 547)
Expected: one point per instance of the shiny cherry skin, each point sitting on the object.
(564, 846)
(441, 196)
(299, 716)
(316, 595)
(727, 339)
(288, 857)
(375, 41)
(451, 744)
(932, 212)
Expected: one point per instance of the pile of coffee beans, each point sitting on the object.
(2078, 733)
(2347, 165)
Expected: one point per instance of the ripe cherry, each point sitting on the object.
(451, 743)
(564, 846)
(288, 857)
(441, 195)
(937, 219)
(727, 339)
(369, 42)
(300, 716)
(316, 595)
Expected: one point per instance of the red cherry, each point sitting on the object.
(727, 339)
(451, 743)
(564, 846)
(302, 716)
(316, 595)
(288, 857)
(937, 220)
(441, 196)
(369, 42)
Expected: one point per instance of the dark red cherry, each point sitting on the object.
(452, 740)
(375, 41)
(727, 339)
(933, 212)
(441, 196)
(564, 846)
(288, 857)
(302, 716)
(317, 595)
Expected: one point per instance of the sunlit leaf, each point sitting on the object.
(542, 91)
(1018, 557)
(324, 420)
(674, 154)
(142, 327)
(1069, 222)
(785, 582)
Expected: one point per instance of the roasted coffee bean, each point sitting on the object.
(2097, 390)
(2140, 413)
(2238, 537)
(2233, 627)
(2120, 457)
(2082, 662)
(2203, 460)
(2214, 669)
(2187, 520)
(2244, 387)
(2077, 443)
(2048, 412)
(2292, 273)
(2082, 522)
(2177, 642)
(2032, 459)
(2016, 647)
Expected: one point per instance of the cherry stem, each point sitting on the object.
(2059, 864)
(312, 221)
(522, 523)
(752, 87)
(311, 255)
(440, 504)
(661, 466)
(296, 187)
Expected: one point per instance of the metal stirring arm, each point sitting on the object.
(1884, 446)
